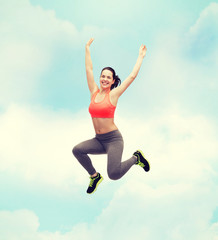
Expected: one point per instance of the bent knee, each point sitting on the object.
(76, 150)
(114, 175)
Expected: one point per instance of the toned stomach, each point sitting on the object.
(103, 125)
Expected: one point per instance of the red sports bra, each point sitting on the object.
(103, 109)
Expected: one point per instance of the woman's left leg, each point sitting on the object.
(115, 168)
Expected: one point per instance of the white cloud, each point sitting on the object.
(178, 196)
(203, 36)
(174, 201)
(21, 64)
(178, 211)
(180, 70)
(137, 210)
(30, 39)
(36, 144)
(207, 22)
(20, 224)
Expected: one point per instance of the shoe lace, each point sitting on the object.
(141, 164)
(91, 181)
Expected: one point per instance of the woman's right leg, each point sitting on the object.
(81, 151)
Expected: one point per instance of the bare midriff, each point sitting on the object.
(104, 125)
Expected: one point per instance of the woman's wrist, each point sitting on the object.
(141, 56)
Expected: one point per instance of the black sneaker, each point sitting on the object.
(141, 161)
(94, 182)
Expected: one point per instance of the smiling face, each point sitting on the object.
(106, 79)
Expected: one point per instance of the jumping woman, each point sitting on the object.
(108, 139)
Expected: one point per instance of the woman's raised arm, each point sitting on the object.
(125, 84)
(89, 68)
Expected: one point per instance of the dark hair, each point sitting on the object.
(115, 77)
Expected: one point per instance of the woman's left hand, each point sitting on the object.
(142, 50)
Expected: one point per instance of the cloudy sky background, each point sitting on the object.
(170, 112)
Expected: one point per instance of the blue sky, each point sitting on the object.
(170, 111)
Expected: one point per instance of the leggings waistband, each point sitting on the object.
(114, 133)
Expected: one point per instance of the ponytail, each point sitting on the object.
(117, 81)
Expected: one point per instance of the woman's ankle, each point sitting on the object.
(94, 175)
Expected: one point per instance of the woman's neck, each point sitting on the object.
(104, 91)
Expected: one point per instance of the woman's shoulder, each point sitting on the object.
(95, 91)
(113, 97)
(114, 93)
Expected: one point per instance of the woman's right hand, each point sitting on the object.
(89, 42)
(142, 50)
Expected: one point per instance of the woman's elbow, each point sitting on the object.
(132, 76)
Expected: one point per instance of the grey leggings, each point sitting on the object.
(110, 143)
